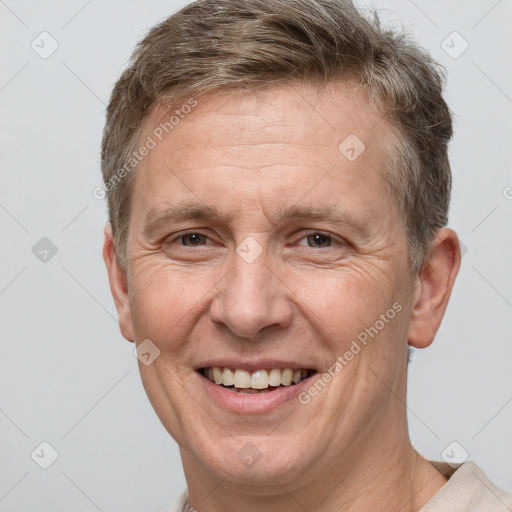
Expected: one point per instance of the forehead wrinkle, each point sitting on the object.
(181, 211)
(193, 210)
(279, 165)
(334, 213)
(212, 149)
(257, 156)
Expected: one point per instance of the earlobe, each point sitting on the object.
(118, 285)
(433, 288)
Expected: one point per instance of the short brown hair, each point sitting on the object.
(213, 45)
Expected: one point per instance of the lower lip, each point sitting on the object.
(252, 403)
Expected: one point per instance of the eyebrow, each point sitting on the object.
(332, 213)
(177, 212)
(180, 212)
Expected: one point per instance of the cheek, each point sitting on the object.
(341, 304)
(168, 301)
(165, 301)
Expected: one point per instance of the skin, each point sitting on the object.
(301, 300)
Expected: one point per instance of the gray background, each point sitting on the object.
(67, 376)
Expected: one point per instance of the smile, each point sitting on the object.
(259, 381)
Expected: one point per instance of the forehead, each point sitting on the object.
(284, 137)
(279, 114)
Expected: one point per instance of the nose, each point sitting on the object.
(250, 298)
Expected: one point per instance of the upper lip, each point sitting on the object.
(254, 364)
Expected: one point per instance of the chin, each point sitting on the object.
(260, 461)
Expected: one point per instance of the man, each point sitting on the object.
(278, 187)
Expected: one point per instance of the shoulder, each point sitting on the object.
(468, 490)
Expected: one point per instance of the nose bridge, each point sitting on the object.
(250, 297)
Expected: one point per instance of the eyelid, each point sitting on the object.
(180, 234)
(335, 239)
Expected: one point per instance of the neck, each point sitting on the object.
(377, 474)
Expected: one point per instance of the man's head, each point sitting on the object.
(216, 45)
(289, 218)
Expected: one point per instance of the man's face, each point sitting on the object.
(301, 252)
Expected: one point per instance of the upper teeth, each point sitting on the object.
(260, 379)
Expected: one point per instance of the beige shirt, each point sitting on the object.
(467, 490)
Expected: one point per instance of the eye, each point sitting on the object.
(189, 239)
(318, 239)
(194, 238)
(315, 240)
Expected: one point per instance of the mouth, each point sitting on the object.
(260, 381)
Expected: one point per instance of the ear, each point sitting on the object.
(118, 285)
(433, 288)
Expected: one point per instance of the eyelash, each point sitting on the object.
(334, 240)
